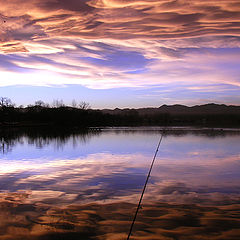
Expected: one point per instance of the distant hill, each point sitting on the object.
(177, 109)
(173, 115)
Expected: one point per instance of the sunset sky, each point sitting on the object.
(120, 53)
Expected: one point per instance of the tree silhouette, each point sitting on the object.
(5, 102)
(84, 105)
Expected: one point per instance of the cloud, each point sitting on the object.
(104, 44)
(120, 19)
(101, 65)
(71, 5)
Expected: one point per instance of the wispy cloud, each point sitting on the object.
(98, 19)
(110, 44)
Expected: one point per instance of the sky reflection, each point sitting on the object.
(115, 163)
(191, 168)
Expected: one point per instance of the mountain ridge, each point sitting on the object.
(178, 109)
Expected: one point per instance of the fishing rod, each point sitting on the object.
(145, 185)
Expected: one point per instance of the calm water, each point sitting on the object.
(56, 185)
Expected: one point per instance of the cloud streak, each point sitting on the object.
(105, 44)
(149, 20)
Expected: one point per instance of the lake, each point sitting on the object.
(58, 184)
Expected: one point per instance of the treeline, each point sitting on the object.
(81, 115)
(57, 114)
(179, 115)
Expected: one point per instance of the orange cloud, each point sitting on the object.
(119, 19)
(66, 42)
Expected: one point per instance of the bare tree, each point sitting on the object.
(39, 103)
(74, 103)
(84, 105)
(5, 102)
(58, 103)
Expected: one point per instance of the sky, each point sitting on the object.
(120, 53)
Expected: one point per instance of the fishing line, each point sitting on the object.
(145, 185)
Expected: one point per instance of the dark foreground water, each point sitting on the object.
(63, 185)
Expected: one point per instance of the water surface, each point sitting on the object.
(74, 185)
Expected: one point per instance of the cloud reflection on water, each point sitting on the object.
(194, 191)
(112, 220)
